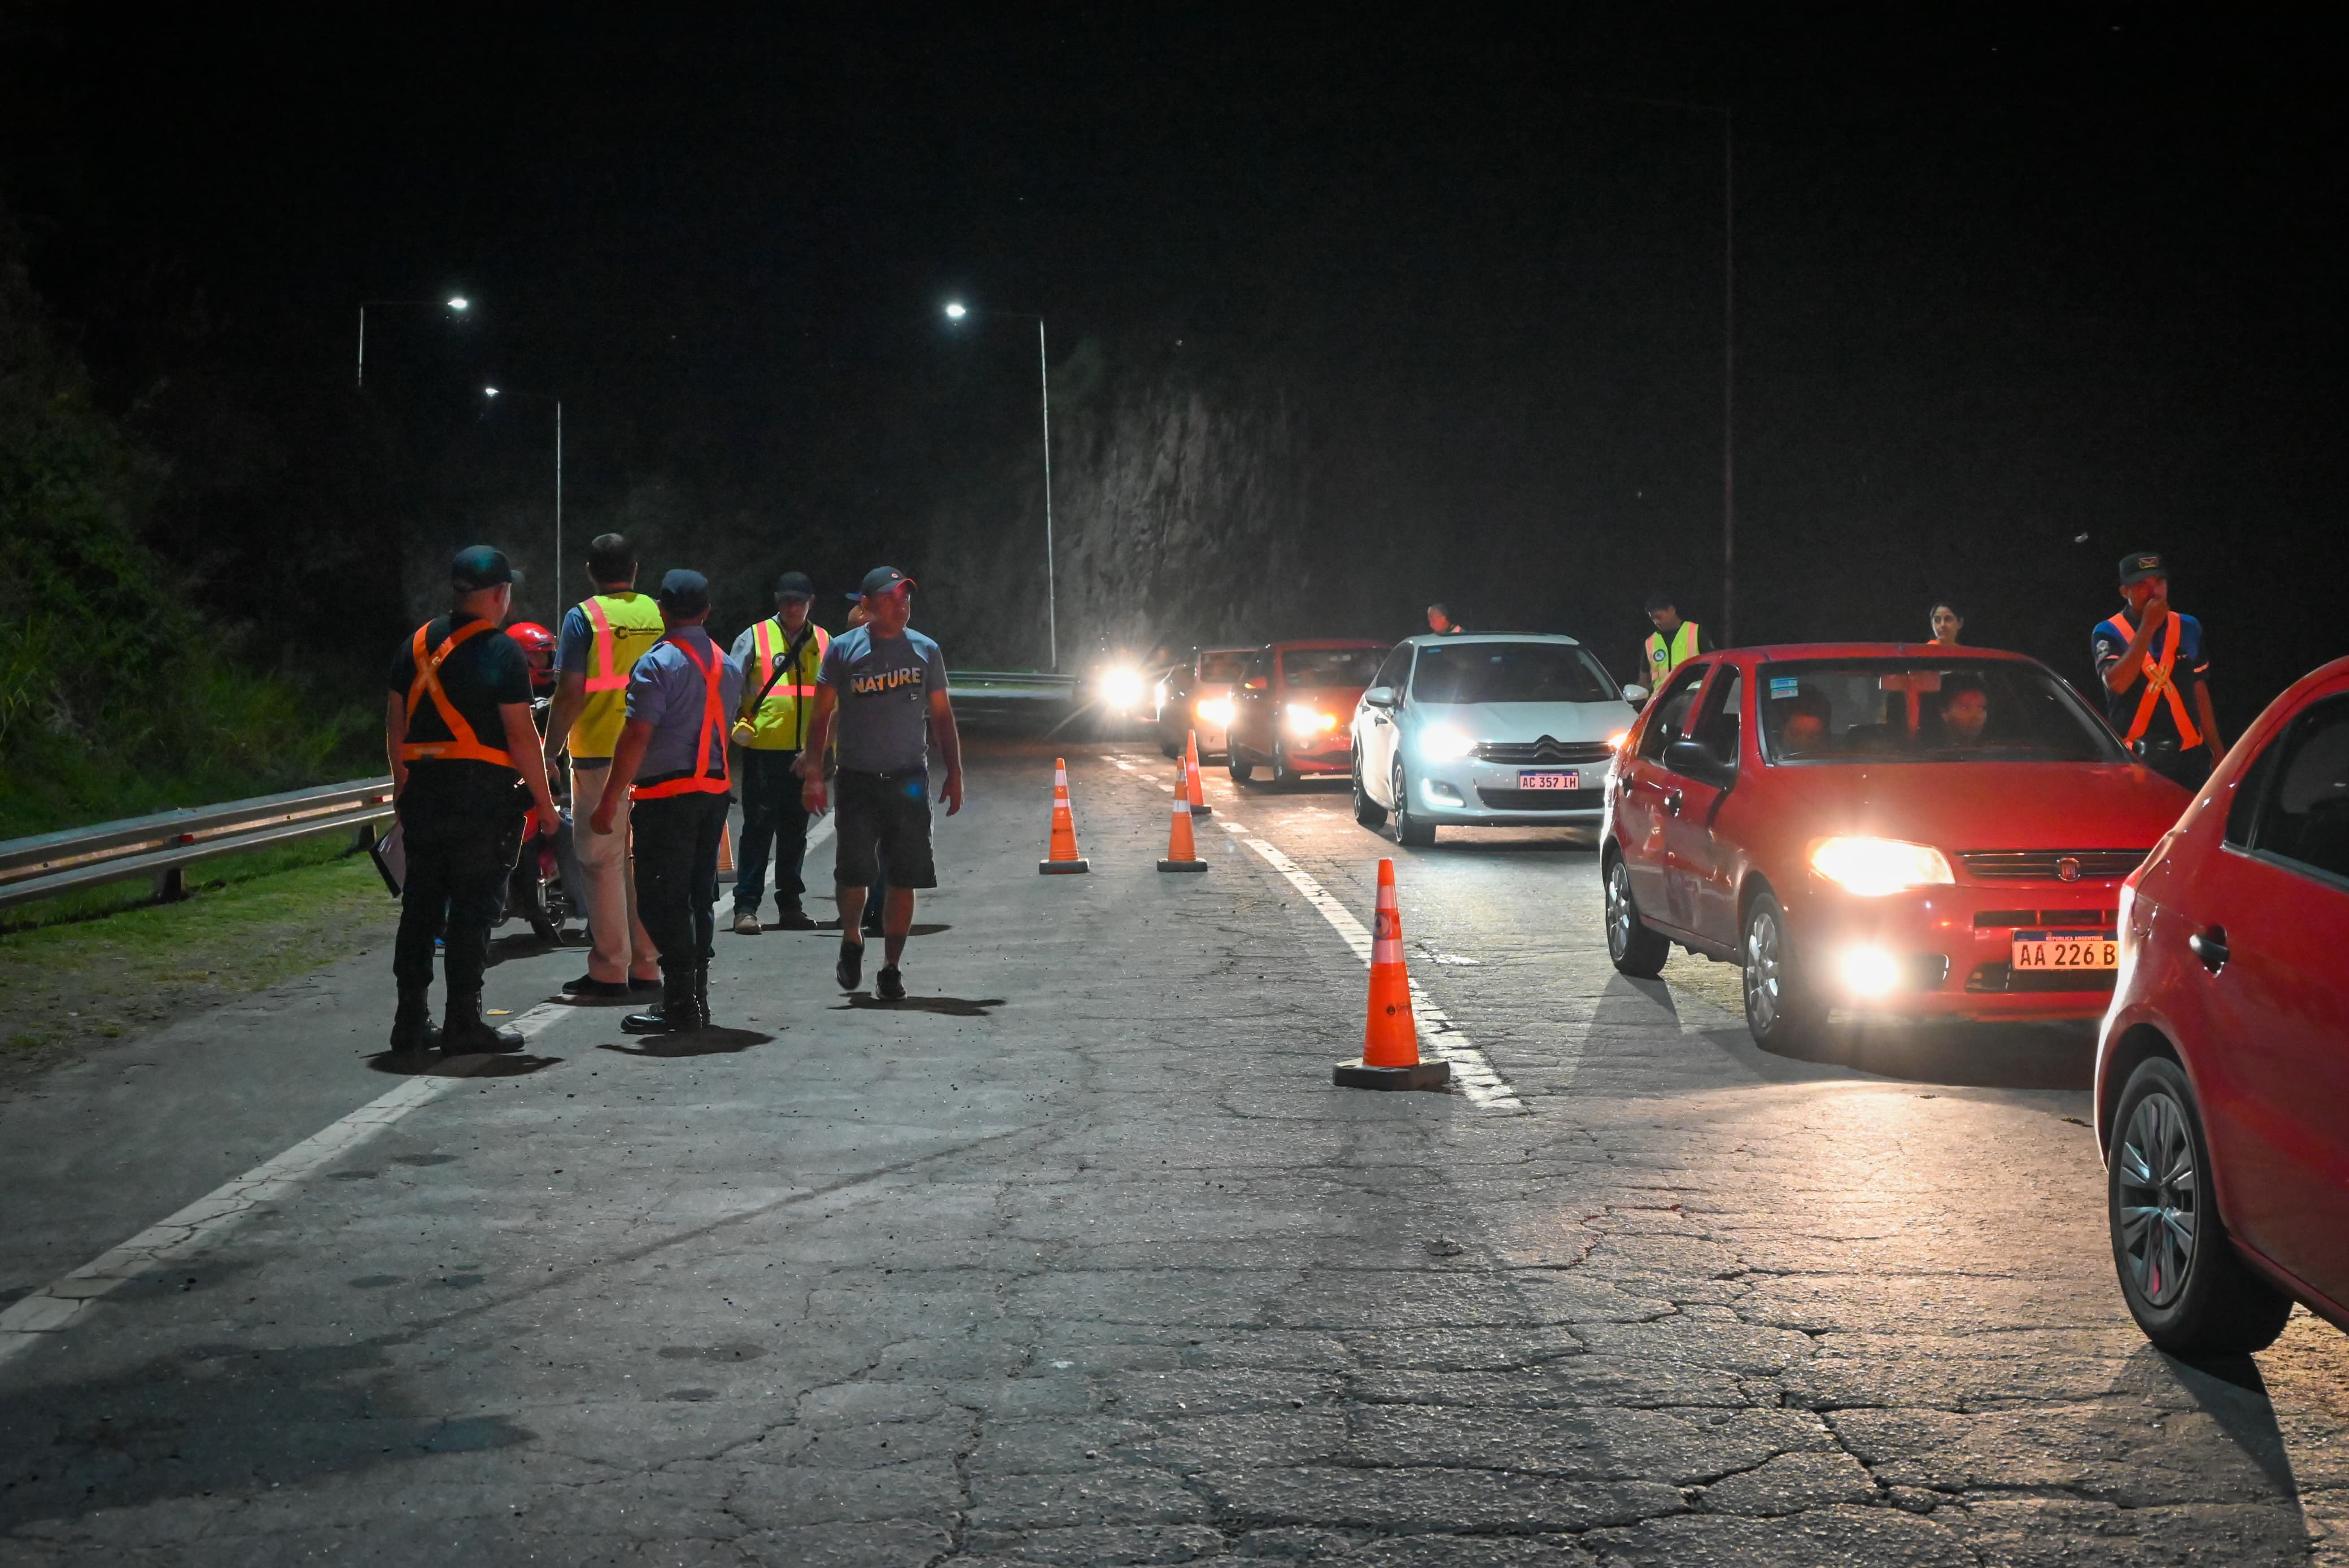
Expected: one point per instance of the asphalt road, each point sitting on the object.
(1078, 1258)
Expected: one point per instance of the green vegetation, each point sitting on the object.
(117, 697)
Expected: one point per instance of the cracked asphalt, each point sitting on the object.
(1077, 1257)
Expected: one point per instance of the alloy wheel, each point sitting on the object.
(1765, 971)
(2160, 1208)
(1620, 914)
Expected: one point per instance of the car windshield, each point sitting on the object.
(1330, 666)
(1226, 667)
(1510, 672)
(1926, 711)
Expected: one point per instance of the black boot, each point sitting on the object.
(412, 1028)
(676, 1012)
(701, 993)
(465, 1032)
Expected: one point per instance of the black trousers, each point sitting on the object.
(676, 875)
(457, 871)
(773, 816)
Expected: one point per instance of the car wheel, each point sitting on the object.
(1168, 748)
(1282, 773)
(2183, 1280)
(1414, 832)
(1242, 771)
(1366, 811)
(1780, 1012)
(1636, 950)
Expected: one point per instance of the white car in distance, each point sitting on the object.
(1487, 730)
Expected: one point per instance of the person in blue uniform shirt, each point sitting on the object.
(2153, 662)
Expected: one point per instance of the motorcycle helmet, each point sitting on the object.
(538, 647)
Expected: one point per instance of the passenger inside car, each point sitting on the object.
(1965, 711)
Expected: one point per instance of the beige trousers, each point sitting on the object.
(622, 947)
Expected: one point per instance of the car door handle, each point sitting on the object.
(2210, 947)
(1673, 802)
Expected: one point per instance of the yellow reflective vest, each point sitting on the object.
(780, 724)
(1663, 657)
(622, 628)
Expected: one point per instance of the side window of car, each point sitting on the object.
(2304, 818)
(1665, 725)
(1392, 672)
(1718, 727)
(2243, 810)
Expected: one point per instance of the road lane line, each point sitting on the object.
(59, 1306)
(1471, 1068)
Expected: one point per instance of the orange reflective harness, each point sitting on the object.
(601, 676)
(702, 780)
(2159, 685)
(463, 746)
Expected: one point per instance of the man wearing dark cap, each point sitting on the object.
(465, 766)
(779, 657)
(2153, 662)
(884, 685)
(1673, 642)
(671, 763)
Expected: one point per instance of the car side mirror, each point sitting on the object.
(1635, 694)
(1695, 759)
(1379, 697)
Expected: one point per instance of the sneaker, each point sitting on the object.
(850, 970)
(794, 920)
(587, 985)
(889, 985)
(746, 923)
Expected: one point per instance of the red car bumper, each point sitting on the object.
(1951, 951)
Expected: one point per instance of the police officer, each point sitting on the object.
(779, 657)
(2153, 662)
(885, 684)
(457, 727)
(1672, 644)
(671, 762)
(603, 637)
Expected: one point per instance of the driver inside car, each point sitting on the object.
(1965, 710)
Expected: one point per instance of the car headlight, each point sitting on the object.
(1122, 688)
(1215, 710)
(1443, 743)
(1306, 722)
(1871, 868)
(1615, 742)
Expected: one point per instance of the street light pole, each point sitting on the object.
(459, 305)
(956, 311)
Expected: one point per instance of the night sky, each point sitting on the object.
(2004, 279)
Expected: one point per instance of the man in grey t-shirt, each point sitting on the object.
(884, 685)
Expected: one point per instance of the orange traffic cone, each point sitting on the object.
(1063, 858)
(1199, 807)
(725, 847)
(1182, 854)
(1389, 1058)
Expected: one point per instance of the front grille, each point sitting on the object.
(1543, 799)
(2054, 919)
(1998, 976)
(1543, 750)
(2043, 865)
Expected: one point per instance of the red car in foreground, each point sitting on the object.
(1881, 829)
(1293, 709)
(2222, 1072)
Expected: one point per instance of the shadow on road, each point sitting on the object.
(945, 1007)
(719, 1042)
(1972, 1056)
(421, 1064)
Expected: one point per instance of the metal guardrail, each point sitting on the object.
(163, 844)
(1013, 686)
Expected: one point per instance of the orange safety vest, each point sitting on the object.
(701, 780)
(464, 746)
(2159, 685)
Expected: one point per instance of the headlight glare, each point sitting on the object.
(1872, 868)
(1443, 743)
(1306, 721)
(1123, 688)
(1214, 710)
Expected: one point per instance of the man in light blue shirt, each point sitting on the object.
(672, 761)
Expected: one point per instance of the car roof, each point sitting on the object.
(1435, 639)
(1769, 653)
(1327, 643)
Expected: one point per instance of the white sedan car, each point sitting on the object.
(1487, 730)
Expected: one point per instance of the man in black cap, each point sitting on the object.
(779, 657)
(465, 766)
(885, 685)
(2152, 662)
(671, 761)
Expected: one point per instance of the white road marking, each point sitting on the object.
(58, 1305)
(1471, 1069)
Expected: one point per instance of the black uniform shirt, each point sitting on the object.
(486, 670)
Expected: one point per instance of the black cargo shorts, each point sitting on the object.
(887, 814)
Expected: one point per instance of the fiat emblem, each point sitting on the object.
(2068, 868)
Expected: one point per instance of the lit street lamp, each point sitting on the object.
(456, 305)
(956, 311)
(493, 394)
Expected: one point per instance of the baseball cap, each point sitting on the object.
(2140, 565)
(794, 585)
(684, 591)
(479, 566)
(883, 580)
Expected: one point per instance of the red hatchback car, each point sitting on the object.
(1883, 828)
(1293, 709)
(2222, 1072)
